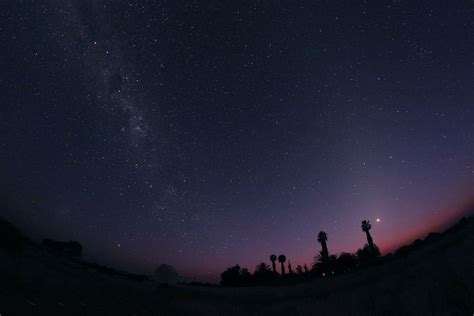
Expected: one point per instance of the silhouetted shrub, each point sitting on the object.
(417, 242)
(368, 254)
(323, 266)
(345, 262)
(299, 269)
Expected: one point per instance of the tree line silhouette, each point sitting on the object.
(13, 242)
(324, 264)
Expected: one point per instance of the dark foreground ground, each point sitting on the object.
(436, 279)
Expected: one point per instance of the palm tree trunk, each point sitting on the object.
(325, 252)
(273, 266)
(282, 268)
(369, 240)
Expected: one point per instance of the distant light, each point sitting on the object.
(378, 220)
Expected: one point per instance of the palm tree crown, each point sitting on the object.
(366, 226)
(322, 237)
(262, 268)
(282, 259)
(273, 258)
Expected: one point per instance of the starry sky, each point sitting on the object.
(203, 135)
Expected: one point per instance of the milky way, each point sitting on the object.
(205, 135)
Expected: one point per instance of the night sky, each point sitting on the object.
(203, 135)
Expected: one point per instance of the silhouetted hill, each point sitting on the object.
(11, 239)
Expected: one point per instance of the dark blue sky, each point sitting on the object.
(205, 135)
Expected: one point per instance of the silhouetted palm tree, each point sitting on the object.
(290, 269)
(263, 274)
(366, 228)
(273, 258)
(262, 268)
(322, 238)
(282, 259)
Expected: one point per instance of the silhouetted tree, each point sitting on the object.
(403, 250)
(231, 276)
(305, 267)
(263, 274)
(322, 238)
(299, 269)
(245, 277)
(235, 276)
(273, 258)
(324, 266)
(345, 262)
(282, 259)
(290, 269)
(366, 226)
(367, 254)
(262, 268)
